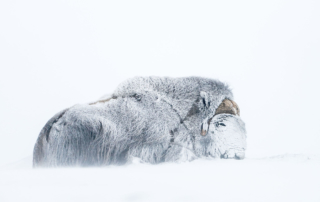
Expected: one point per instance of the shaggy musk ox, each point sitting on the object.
(155, 119)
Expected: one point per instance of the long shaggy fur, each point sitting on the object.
(152, 118)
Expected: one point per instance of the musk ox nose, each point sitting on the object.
(233, 155)
(240, 155)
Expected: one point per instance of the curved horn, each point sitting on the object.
(228, 107)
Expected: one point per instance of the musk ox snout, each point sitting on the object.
(228, 135)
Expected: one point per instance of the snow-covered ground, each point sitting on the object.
(290, 177)
(54, 54)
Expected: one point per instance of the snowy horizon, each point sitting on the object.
(55, 54)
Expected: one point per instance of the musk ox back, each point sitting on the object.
(152, 118)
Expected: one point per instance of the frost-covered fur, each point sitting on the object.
(155, 119)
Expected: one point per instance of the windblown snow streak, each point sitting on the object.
(152, 118)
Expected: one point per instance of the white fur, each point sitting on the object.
(155, 119)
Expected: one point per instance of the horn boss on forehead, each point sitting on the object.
(228, 107)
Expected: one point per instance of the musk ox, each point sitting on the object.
(152, 118)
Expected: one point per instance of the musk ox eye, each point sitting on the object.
(137, 97)
(220, 124)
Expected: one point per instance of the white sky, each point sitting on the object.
(54, 54)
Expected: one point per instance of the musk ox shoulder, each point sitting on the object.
(156, 119)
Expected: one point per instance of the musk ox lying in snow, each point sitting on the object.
(151, 118)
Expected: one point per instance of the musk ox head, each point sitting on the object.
(152, 118)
